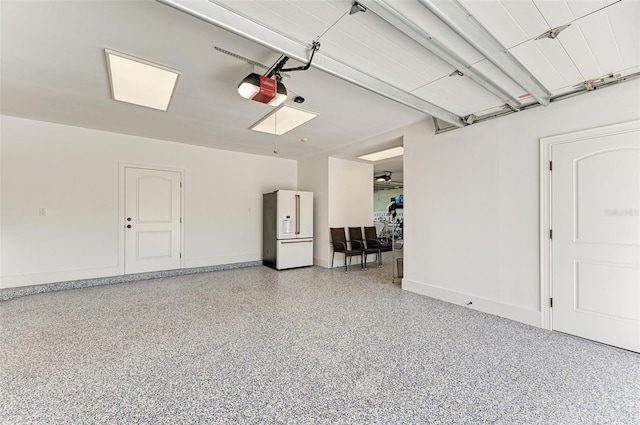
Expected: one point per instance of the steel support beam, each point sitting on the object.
(426, 40)
(466, 26)
(220, 16)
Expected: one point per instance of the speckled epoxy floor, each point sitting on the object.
(257, 346)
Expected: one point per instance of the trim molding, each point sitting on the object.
(519, 314)
(32, 279)
(11, 293)
(321, 262)
(193, 263)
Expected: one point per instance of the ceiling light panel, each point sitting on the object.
(283, 119)
(140, 82)
(385, 154)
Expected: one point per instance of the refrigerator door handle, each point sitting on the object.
(303, 241)
(297, 214)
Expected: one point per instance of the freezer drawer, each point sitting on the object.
(294, 253)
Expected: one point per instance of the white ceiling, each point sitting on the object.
(53, 65)
(53, 69)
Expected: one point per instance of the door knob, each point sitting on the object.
(128, 226)
(128, 218)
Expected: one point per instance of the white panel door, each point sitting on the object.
(152, 220)
(595, 217)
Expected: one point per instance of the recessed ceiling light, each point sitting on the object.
(140, 82)
(380, 155)
(283, 119)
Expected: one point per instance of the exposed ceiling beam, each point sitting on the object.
(473, 32)
(226, 19)
(426, 40)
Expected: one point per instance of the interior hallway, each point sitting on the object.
(302, 346)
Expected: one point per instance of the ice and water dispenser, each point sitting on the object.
(287, 224)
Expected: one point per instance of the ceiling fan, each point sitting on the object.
(386, 177)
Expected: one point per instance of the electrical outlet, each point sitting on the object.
(42, 212)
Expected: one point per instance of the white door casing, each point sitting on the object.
(592, 262)
(152, 210)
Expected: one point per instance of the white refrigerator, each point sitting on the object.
(287, 229)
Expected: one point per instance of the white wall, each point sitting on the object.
(343, 197)
(472, 216)
(74, 174)
(350, 197)
(313, 176)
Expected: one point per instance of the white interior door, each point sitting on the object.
(152, 220)
(595, 218)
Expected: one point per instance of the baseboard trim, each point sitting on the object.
(321, 262)
(485, 305)
(11, 293)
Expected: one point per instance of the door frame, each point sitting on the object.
(546, 248)
(121, 206)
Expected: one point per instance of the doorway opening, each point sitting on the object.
(388, 219)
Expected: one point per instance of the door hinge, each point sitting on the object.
(550, 165)
(180, 255)
(180, 219)
(550, 233)
(180, 184)
(551, 302)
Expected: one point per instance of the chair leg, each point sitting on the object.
(379, 258)
(333, 254)
(346, 269)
